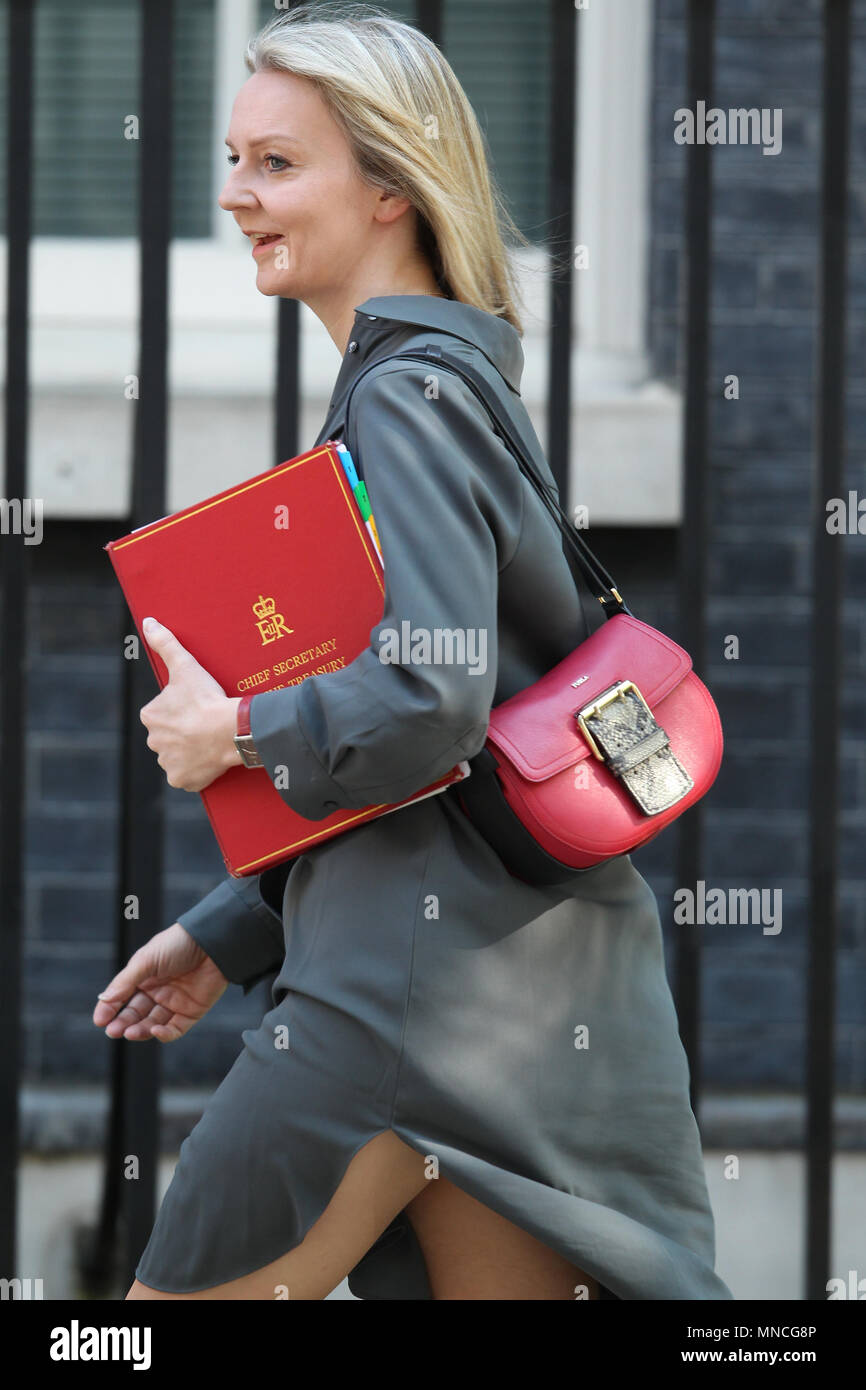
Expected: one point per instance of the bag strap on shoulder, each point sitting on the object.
(594, 573)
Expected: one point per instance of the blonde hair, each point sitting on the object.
(412, 132)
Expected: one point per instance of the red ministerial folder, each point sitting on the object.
(253, 583)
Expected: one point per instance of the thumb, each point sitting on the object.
(161, 640)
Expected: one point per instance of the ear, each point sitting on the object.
(390, 206)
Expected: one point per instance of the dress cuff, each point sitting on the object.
(240, 933)
(283, 748)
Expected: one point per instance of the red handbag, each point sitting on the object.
(602, 753)
(613, 743)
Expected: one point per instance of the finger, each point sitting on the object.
(162, 1024)
(157, 1014)
(163, 641)
(136, 973)
(170, 1032)
(140, 1032)
(133, 1011)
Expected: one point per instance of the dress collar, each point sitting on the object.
(494, 336)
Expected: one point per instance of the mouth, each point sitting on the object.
(261, 240)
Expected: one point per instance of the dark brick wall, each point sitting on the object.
(76, 622)
(764, 319)
(765, 225)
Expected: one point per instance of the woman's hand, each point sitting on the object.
(167, 986)
(191, 722)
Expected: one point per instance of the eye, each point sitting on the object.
(233, 159)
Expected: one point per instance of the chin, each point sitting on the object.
(274, 284)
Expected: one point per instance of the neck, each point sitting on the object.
(336, 306)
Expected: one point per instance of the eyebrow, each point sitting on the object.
(267, 139)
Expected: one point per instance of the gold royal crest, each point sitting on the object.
(270, 624)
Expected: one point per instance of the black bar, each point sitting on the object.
(428, 18)
(287, 412)
(827, 561)
(14, 574)
(563, 80)
(141, 855)
(694, 527)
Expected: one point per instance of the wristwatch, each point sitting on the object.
(243, 737)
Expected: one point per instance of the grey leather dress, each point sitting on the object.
(424, 988)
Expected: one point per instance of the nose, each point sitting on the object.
(234, 194)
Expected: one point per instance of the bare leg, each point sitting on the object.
(380, 1180)
(472, 1252)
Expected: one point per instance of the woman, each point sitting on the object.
(437, 1126)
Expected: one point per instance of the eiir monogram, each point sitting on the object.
(270, 624)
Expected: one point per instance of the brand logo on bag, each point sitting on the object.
(580, 680)
(270, 624)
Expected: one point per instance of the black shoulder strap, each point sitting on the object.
(513, 437)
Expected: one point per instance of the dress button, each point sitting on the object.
(353, 347)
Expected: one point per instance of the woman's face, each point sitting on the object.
(293, 175)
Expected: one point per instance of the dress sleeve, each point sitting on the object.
(447, 499)
(239, 925)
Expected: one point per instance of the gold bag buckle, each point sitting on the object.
(613, 692)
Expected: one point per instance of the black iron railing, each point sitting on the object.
(13, 614)
(826, 649)
(129, 1207)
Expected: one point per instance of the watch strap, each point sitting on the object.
(244, 714)
(244, 737)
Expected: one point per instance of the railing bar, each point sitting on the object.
(287, 412)
(561, 178)
(826, 674)
(143, 781)
(694, 528)
(14, 577)
(429, 19)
